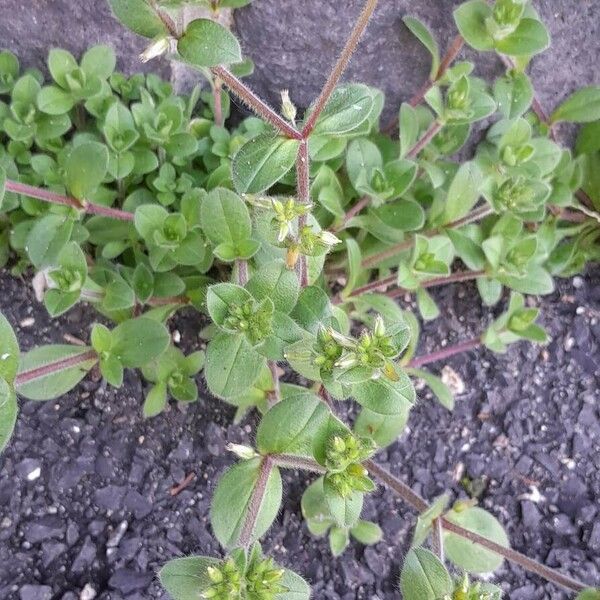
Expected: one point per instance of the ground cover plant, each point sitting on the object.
(295, 235)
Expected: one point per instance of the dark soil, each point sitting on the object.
(99, 520)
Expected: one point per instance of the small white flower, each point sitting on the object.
(329, 239)
(243, 452)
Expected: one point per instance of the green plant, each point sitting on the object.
(140, 202)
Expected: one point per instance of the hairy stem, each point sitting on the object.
(420, 504)
(289, 461)
(245, 94)
(437, 539)
(256, 502)
(242, 271)
(303, 191)
(447, 352)
(54, 198)
(340, 66)
(54, 367)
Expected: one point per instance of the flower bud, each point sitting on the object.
(243, 452)
(158, 47)
(288, 110)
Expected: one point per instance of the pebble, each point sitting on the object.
(35, 592)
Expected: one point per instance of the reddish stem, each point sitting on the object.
(364, 201)
(433, 130)
(303, 190)
(420, 504)
(244, 93)
(54, 198)
(53, 367)
(242, 268)
(340, 66)
(437, 281)
(447, 352)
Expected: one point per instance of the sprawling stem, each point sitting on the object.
(242, 271)
(244, 93)
(475, 215)
(275, 395)
(289, 461)
(303, 191)
(437, 539)
(444, 353)
(54, 198)
(431, 132)
(256, 502)
(340, 66)
(218, 101)
(352, 212)
(437, 281)
(420, 504)
(54, 367)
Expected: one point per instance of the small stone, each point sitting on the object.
(35, 592)
(27, 322)
(87, 593)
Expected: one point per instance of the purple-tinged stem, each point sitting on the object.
(364, 201)
(433, 130)
(54, 198)
(256, 502)
(420, 504)
(244, 93)
(242, 271)
(303, 190)
(447, 352)
(275, 394)
(54, 367)
(437, 281)
(340, 66)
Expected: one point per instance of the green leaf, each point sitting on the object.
(409, 128)
(231, 502)
(185, 578)
(275, 281)
(463, 192)
(206, 43)
(312, 309)
(9, 351)
(362, 157)
(589, 594)
(382, 429)
(232, 365)
(354, 266)
(221, 297)
(54, 101)
(367, 533)
(424, 35)
(384, 396)
(8, 412)
(262, 162)
(225, 217)
(139, 16)
(297, 588)
(60, 64)
(470, 19)
(290, 426)
(440, 390)
(427, 517)
(346, 109)
(50, 371)
(470, 556)
(85, 168)
(513, 94)
(156, 400)
(47, 238)
(344, 511)
(424, 577)
(99, 61)
(583, 106)
(530, 37)
(138, 341)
